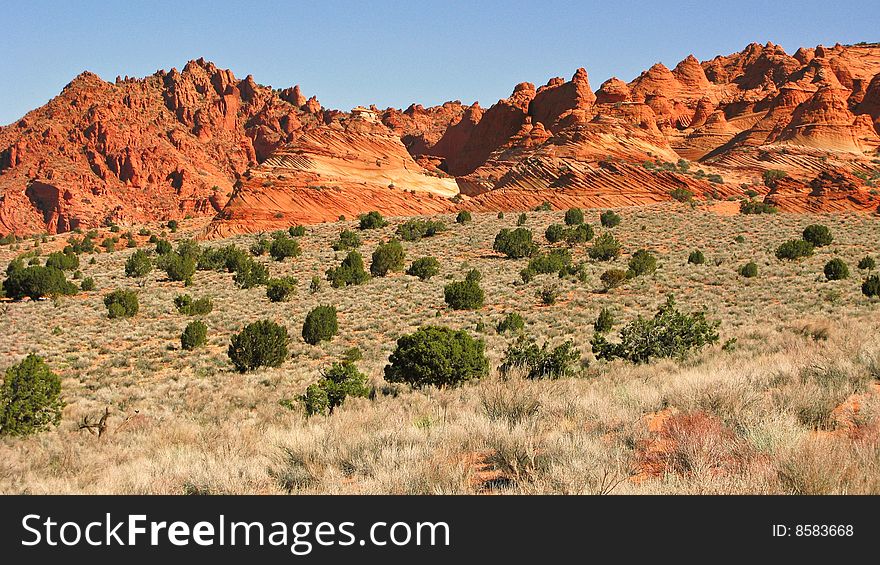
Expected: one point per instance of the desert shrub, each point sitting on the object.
(612, 278)
(579, 234)
(555, 232)
(669, 333)
(349, 272)
(84, 245)
(512, 322)
(543, 207)
(464, 295)
(605, 248)
(189, 249)
(260, 344)
(540, 362)
(228, 258)
(387, 257)
(609, 219)
(794, 249)
(63, 261)
(250, 273)
(194, 335)
(696, 258)
(641, 263)
(836, 269)
(87, 284)
(500, 215)
(871, 286)
(739, 239)
(296, 231)
(121, 304)
(549, 294)
(163, 247)
(371, 220)
(749, 270)
(320, 325)
(172, 225)
(347, 240)
(109, 244)
(437, 356)
(551, 262)
(35, 282)
(30, 398)
(604, 322)
(414, 230)
(579, 271)
(178, 267)
(281, 289)
(818, 235)
(681, 194)
(772, 177)
(138, 265)
(340, 381)
(867, 262)
(515, 244)
(260, 247)
(315, 285)
(189, 307)
(284, 247)
(424, 268)
(463, 217)
(756, 207)
(574, 217)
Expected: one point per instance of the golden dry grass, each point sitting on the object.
(757, 417)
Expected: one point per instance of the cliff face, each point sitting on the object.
(183, 142)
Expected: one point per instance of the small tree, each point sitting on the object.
(347, 240)
(284, 247)
(818, 235)
(749, 270)
(121, 304)
(604, 322)
(794, 249)
(260, 344)
(437, 356)
(609, 219)
(867, 263)
(414, 230)
(350, 272)
(30, 398)
(178, 267)
(836, 269)
(773, 176)
(320, 325)
(87, 284)
(35, 282)
(544, 207)
(198, 307)
(63, 261)
(515, 244)
(371, 220)
(424, 268)
(555, 232)
(138, 265)
(296, 231)
(641, 263)
(340, 381)
(669, 333)
(463, 217)
(512, 322)
(574, 217)
(605, 248)
(871, 286)
(464, 295)
(387, 257)
(681, 194)
(250, 273)
(696, 258)
(194, 335)
(281, 289)
(521, 219)
(163, 247)
(540, 362)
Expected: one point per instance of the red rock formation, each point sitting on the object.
(830, 191)
(558, 98)
(162, 147)
(351, 166)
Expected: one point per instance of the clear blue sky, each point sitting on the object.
(394, 53)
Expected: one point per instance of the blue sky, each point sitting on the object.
(394, 53)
